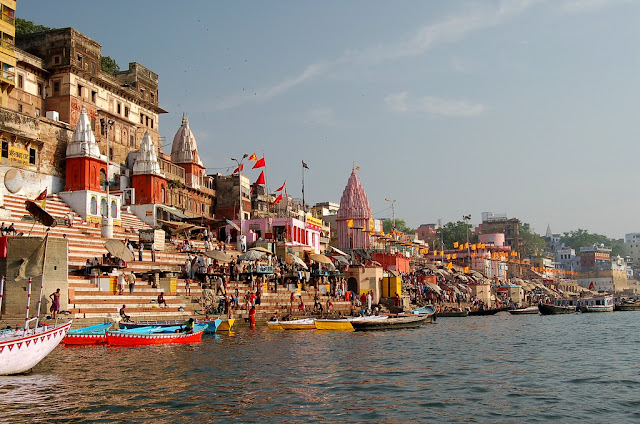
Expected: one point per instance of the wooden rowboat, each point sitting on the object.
(94, 334)
(485, 312)
(154, 336)
(449, 314)
(22, 350)
(525, 311)
(391, 323)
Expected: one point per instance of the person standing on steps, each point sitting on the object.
(140, 249)
(132, 282)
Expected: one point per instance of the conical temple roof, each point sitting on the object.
(354, 203)
(83, 142)
(185, 148)
(147, 160)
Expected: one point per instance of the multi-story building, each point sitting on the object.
(598, 271)
(428, 233)
(499, 223)
(631, 251)
(7, 50)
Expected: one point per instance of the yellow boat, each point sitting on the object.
(226, 324)
(333, 324)
(274, 325)
(298, 324)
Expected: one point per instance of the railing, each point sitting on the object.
(11, 21)
(7, 45)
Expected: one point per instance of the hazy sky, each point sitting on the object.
(448, 107)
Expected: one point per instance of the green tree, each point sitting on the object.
(27, 27)
(387, 226)
(582, 238)
(108, 65)
(534, 244)
(455, 231)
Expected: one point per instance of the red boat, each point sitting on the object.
(154, 336)
(94, 334)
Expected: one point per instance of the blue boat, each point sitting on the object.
(94, 334)
(157, 329)
(211, 324)
(424, 310)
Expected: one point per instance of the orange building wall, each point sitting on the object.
(83, 174)
(387, 260)
(149, 188)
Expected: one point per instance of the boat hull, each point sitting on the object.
(533, 310)
(212, 325)
(226, 324)
(115, 338)
(333, 324)
(555, 309)
(299, 324)
(274, 325)
(621, 307)
(87, 336)
(19, 354)
(598, 308)
(485, 312)
(392, 323)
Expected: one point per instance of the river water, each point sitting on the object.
(493, 369)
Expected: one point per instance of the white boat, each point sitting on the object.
(602, 303)
(525, 311)
(22, 350)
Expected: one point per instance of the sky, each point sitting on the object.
(448, 108)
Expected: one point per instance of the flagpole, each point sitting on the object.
(303, 204)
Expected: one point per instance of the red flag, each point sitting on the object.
(282, 186)
(591, 286)
(278, 199)
(253, 157)
(259, 163)
(42, 195)
(260, 179)
(238, 169)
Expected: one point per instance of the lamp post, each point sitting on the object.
(239, 162)
(466, 219)
(393, 211)
(107, 230)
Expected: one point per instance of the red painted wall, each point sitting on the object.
(149, 188)
(83, 174)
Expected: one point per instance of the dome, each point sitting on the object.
(185, 148)
(147, 160)
(83, 142)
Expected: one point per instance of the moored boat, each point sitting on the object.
(491, 311)
(298, 324)
(560, 306)
(21, 350)
(94, 334)
(274, 325)
(338, 324)
(144, 336)
(226, 324)
(212, 325)
(602, 303)
(391, 323)
(451, 314)
(424, 310)
(627, 306)
(525, 311)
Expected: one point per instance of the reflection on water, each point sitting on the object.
(498, 369)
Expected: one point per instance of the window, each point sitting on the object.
(56, 60)
(153, 97)
(118, 108)
(56, 87)
(152, 123)
(80, 60)
(37, 111)
(126, 111)
(20, 81)
(5, 149)
(40, 91)
(110, 153)
(141, 118)
(131, 141)
(19, 108)
(32, 156)
(93, 124)
(79, 90)
(94, 95)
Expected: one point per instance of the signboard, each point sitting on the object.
(314, 223)
(149, 213)
(18, 156)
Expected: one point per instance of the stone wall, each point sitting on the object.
(55, 277)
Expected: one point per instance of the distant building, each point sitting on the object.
(428, 233)
(499, 223)
(631, 251)
(599, 272)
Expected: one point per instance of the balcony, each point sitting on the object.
(7, 45)
(8, 19)
(8, 76)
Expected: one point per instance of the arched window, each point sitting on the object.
(103, 207)
(94, 205)
(103, 178)
(162, 194)
(114, 208)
